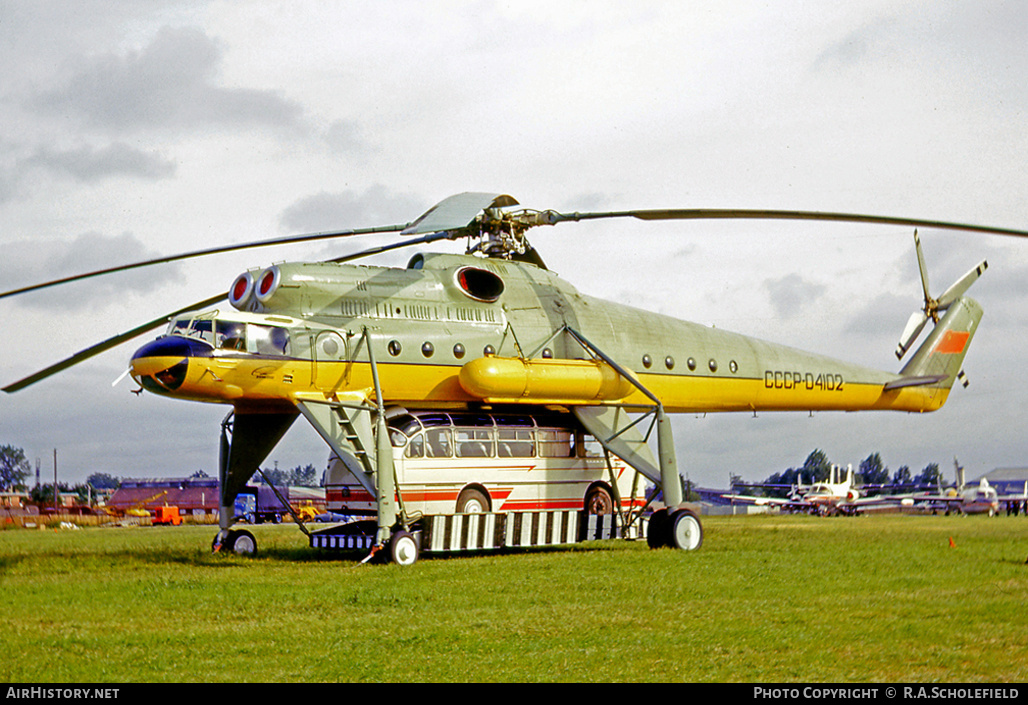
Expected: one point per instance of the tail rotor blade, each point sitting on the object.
(961, 285)
(924, 270)
(914, 326)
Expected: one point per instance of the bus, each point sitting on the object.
(472, 462)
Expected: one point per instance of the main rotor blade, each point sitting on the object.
(453, 213)
(457, 212)
(431, 237)
(117, 340)
(291, 239)
(552, 217)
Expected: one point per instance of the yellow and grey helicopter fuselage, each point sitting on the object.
(457, 330)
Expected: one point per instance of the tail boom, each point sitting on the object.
(924, 382)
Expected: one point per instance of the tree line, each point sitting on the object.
(15, 471)
(871, 471)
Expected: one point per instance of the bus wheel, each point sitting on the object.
(403, 548)
(472, 501)
(686, 530)
(598, 501)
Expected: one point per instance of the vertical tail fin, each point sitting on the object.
(942, 353)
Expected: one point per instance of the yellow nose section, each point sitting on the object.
(149, 366)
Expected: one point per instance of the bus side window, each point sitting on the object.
(515, 444)
(474, 443)
(416, 447)
(554, 444)
(588, 447)
(438, 442)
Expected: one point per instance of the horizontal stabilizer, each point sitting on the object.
(914, 382)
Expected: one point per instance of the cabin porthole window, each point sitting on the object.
(712, 365)
(427, 349)
(458, 351)
(669, 362)
(647, 361)
(395, 348)
(547, 353)
(488, 350)
(733, 366)
(330, 347)
(691, 363)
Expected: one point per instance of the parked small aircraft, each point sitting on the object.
(966, 499)
(839, 495)
(976, 499)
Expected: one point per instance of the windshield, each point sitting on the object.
(234, 335)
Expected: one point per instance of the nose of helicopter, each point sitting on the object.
(161, 365)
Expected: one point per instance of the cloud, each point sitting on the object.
(348, 209)
(89, 164)
(347, 137)
(31, 262)
(791, 293)
(856, 46)
(170, 83)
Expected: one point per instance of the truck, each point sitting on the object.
(256, 505)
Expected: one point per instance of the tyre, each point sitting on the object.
(220, 542)
(403, 548)
(598, 501)
(657, 529)
(686, 531)
(241, 543)
(472, 501)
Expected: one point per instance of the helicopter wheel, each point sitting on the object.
(403, 548)
(658, 529)
(241, 543)
(220, 542)
(686, 531)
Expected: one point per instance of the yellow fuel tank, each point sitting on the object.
(511, 379)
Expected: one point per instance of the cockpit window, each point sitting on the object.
(234, 335)
(268, 340)
(230, 335)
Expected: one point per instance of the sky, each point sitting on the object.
(141, 129)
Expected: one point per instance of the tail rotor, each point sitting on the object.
(932, 306)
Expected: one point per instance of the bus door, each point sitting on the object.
(424, 472)
(567, 483)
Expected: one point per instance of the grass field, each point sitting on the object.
(766, 599)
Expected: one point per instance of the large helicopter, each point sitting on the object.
(346, 346)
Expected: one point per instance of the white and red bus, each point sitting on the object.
(470, 462)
